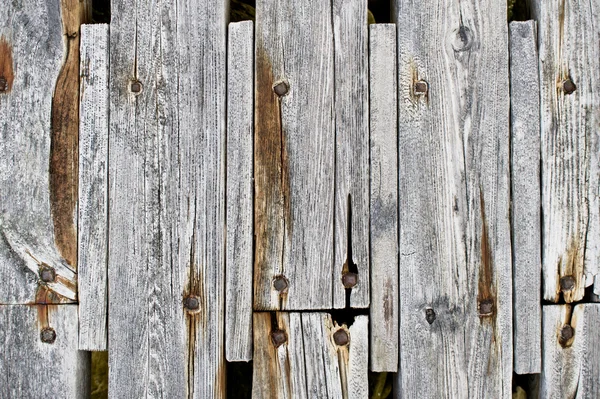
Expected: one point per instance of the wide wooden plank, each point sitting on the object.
(39, 356)
(167, 204)
(294, 155)
(570, 110)
(38, 164)
(350, 38)
(526, 196)
(93, 187)
(571, 354)
(240, 191)
(384, 197)
(455, 248)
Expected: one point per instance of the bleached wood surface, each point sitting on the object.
(167, 203)
(568, 35)
(240, 191)
(294, 154)
(384, 197)
(526, 206)
(93, 187)
(350, 38)
(455, 249)
(31, 368)
(571, 367)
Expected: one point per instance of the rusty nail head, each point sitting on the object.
(349, 279)
(278, 337)
(47, 274)
(566, 333)
(136, 87)
(568, 86)
(421, 87)
(281, 88)
(280, 283)
(567, 283)
(3, 84)
(48, 335)
(340, 337)
(191, 303)
(486, 307)
(430, 315)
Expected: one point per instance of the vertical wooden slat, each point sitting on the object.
(240, 191)
(570, 111)
(350, 38)
(358, 359)
(167, 204)
(526, 196)
(455, 249)
(294, 154)
(384, 198)
(93, 187)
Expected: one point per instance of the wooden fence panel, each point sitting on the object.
(167, 207)
(455, 249)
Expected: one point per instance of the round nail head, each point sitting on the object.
(340, 337)
(281, 88)
(191, 303)
(430, 315)
(136, 87)
(568, 86)
(486, 307)
(421, 87)
(47, 274)
(567, 283)
(280, 283)
(566, 333)
(278, 337)
(349, 279)
(48, 335)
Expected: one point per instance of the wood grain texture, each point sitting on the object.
(167, 204)
(568, 33)
(384, 197)
(571, 368)
(294, 154)
(31, 368)
(240, 191)
(93, 188)
(350, 38)
(455, 249)
(526, 197)
(32, 48)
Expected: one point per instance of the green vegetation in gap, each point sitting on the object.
(518, 10)
(99, 375)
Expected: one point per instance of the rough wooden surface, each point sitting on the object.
(384, 197)
(93, 188)
(167, 203)
(526, 206)
(32, 368)
(31, 62)
(240, 191)
(568, 35)
(571, 366)
(294, 154)
(455, 249)
(350, 38)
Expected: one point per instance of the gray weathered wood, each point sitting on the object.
(309, 364)
(455, 249)
(384, 197)
(571, 368)
(240, 190)
(31, 63)
(93, 187)
(568, 35)
(526, 196)
(31, 368)
(294, 154)
(167, 203)
(350, 38)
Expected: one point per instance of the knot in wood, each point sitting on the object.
(278, 337)
(421, 88)
(3, 84)
(340, 337)
(568, 86)
(567, 283)
(349, 279)
(566, 333)
(47, 274)
(135, 86)
(430, 315)
(280, 283)
(48, 335)
(191, 303)
(461, 39)
(281, 88)
(486, 307)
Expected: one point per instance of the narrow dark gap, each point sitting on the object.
(100, 12)
(99, 375)
(518, 10)
(239, 380)
(525, 386)
(381, 10)
(381, 384)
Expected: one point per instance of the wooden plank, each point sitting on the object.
(40, 357)
(358, 358)
(570, 109)
(167, 204)
(38, 165)
(455, 249)
(526, 206)
(294, 154)
(571, 354)
(350, 38)
(384, 198)
(93, 187)
(240, 191)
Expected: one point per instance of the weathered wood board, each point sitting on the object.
(39, 356)
(526, 206)
(240, 191)
(39, 101)
(455, 248)
(167, 204)
(93, 188)
(299, 355)
(384, 197)
(571, 351)
(294, 155)
(570, 112)
(351, 94)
